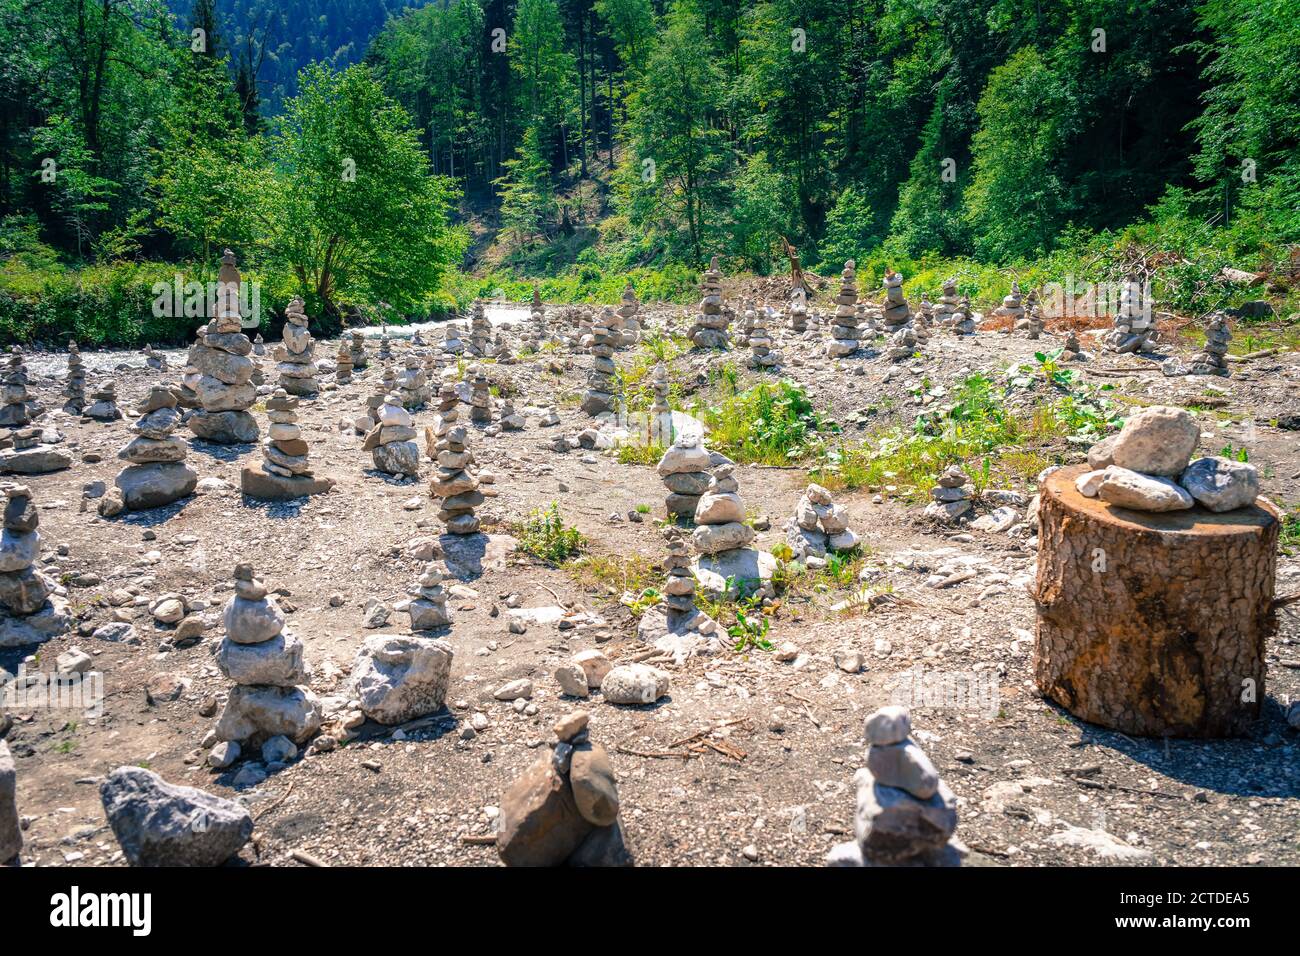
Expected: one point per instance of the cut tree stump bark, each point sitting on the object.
(1153, 624)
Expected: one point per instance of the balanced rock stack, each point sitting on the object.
(760, 344)
(677, 626)
(1134, 331)
(266, 663)
(1148, 466)
(963, 322)
(710, 328)
(508, 419)
(747, 320)
(659, 386)
(536, 333)
(32, 609)
(897, 313)
(388, 380)
(480, 332)
(946, 311)
(156, 474)
(259, 344)
(220, 372)
(1033, 321)
(902, 344)
(455, 482)
(359, 358)
(628, 309)
(599, 396)
(153, 359)
(951, 497)
(720, 515)
(17, 409)
(29, 454)
(412, 384)
(846, 336)
(75, 390)
(385, 353)
(343, 365)
(480, 396)
(370, 418)
(285, 473)
(923, 322)
(906, 815)
(563, 809)
(103, 403)
(799, 310)
(391, 442)
(819, 525)
(428, 607)
(1011, 307)
(296, 367)
(684, 469)
(1070, 351)
(1211, 360)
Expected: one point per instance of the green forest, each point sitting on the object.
(421, 155)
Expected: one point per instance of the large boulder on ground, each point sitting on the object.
(399, 678)
(152, 486)
(161, 824)
(634, 684)
(397, 458)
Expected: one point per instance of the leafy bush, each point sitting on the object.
(545, 536)
(768, 424)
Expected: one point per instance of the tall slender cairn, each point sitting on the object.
(1012, 307)
(897, 313)
(220, 372)
(295, 357)
(343, 365)
(1033, 320)
(412, 384)
(385, 353)
(75, 389)
(480, 332)
(710, 328)
(360, 360)
(628, 310)
(1134, 329)
(455, 482)
(480, 396)
(761, 355)
(285, 472)
(924, 321)
(156, 473)
(599, 397)
(32, 608)
(963, 322)
(17, 409)
(845, 332)
(945, 313)
(1211, 359)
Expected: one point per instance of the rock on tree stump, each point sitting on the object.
(1153, 624)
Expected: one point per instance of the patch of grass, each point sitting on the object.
(1288, 540)
(643, 509)
(630, 454)
(545, 536)
(614, 574)
(769, 424)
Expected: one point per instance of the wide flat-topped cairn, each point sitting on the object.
(1212, 358)
(454, 482)
(906, 815)
(103, 403)
(266, 664)
(798, 310)
(599, 396)
(285, 472)
(360, 360)
(391, 442)
(1011, 307)
(845, 326)
(563, 810)
(684, 469)
(343, 365)
(156, 474)
(16, 411)
(710, 328)
(818, 526)
(480, 332)
(951, 497)
(761, 355)
(963, 320)
(677, 626)
(295, 357)
(26, 452)
(411, 384)
(946, 309)
(1134, 329)
(219, 370)
(32, 607)
(480, 396)
(628, 309)
(74, 391)
(897, 315)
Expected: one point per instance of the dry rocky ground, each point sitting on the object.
(747, 761)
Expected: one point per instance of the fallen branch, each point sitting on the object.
(1250, 357)
(283, 797)
(655, 755)
(485, 839)
(306, 859)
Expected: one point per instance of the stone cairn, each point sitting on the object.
(455, 483)
(761, 355)
(31, 609)
(1134, 330)
(963, 322)
(412, 384)
(296, 368)
(259, 344)
(508, 419)
(897, 313)
(563, 810)
(385, 353)
(710, 328)
(17, 409)
(359, 358)
(452, 344)
(720, 515)
(924, 321)
(428, 607)
(75, 390)
(343, 365)
(103, 403)
(819, 525)
(1148, 466)
(798, 310)
(906, 815)
(846, 336)
(628, 310)
(599, 396)
(945, 313)
(1012, 307)
(154, 360)
(1071, 352)
(1210, 360)
(951, 497)
(220, 372)
(370, 417)
(285, 472)
(747, 320)
(27, 453)
(480, 396)
(156, 473)
(480, 332)
(902, 344)
(1033, 322)
(391, 441)
(388, 380)
(684, 469)
(677, 626)
(269, 699)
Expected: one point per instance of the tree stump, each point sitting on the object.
(1153, 624)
